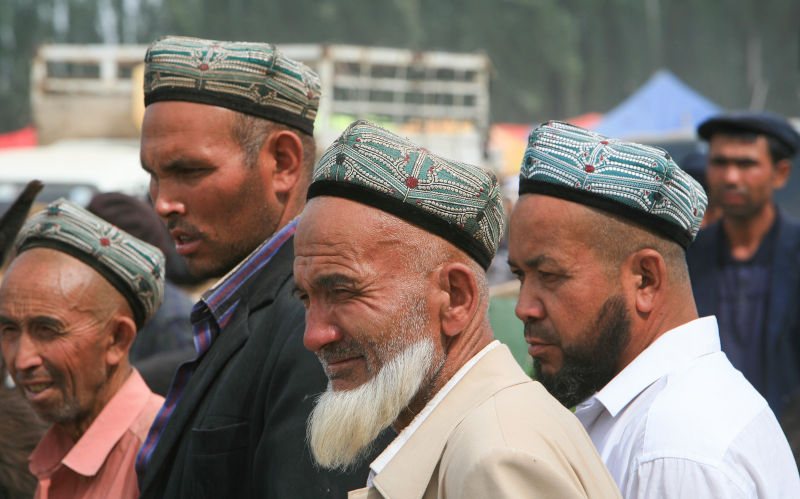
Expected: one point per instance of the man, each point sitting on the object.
(70, 305)
(166, 341)
(746, 268)
(597, 240)
(391, 258)
(226, 138)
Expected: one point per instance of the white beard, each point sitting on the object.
(344, 424)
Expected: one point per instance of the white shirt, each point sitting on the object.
(393, 448)
(680, 421)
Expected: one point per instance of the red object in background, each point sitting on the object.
(24, 137)
(588, 120)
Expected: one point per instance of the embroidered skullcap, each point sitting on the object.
(133, 267)
(457, 201)
(639, 182)
(252, 78)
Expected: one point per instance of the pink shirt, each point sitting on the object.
(101, 463)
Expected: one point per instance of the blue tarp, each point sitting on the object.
(663, 106)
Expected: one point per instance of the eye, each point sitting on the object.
(341, 293)
(301, 295)
(8, 331)
(548, 277)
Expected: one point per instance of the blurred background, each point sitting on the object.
(466, 78)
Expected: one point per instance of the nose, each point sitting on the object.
(320, 329)
(731, 174)
(529, 306)
(24, 354)
(166, 203)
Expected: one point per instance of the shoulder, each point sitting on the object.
(708, 416)
(704, 406)
(522, 437)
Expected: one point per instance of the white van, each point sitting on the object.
(76, 169)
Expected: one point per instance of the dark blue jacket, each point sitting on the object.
(782, 345)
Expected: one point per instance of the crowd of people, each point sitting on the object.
(344, 348)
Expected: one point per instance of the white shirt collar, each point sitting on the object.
(388, 454)
(670, 351)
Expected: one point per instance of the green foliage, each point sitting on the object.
(550, 58)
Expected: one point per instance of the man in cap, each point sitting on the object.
(746, 268)
(598, 241)
(226, 138)
(391, 257)
(70, 305)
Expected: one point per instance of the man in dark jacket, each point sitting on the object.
(226, 138)
(745, 269)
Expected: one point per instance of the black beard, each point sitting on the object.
(588, 367)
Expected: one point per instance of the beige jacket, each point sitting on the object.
(496, 434)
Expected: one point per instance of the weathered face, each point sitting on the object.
(217, 208)
(575, 319)
(741, 175)
(353, 275)
(54, 335)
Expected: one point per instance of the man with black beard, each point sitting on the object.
(598, 240)
(391, 254)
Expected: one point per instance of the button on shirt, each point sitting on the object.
(680, 421)
(101, 463)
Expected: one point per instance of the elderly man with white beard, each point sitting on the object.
(390, 259)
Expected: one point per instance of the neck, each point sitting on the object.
(745, 234)
(117, 377)
(458, 350)
(645, 330)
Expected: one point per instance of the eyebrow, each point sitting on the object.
(41, 320)
(535, 261)
(179, 164)
(327, 281)
(719, 158)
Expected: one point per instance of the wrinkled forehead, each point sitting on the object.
(335, 220)
(339, 233)
(45, 271)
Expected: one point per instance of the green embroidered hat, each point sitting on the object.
(459, 202)
(639, 182)
(252, 78)
(133, 267)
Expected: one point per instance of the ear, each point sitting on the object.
(782, 170)
(462, 297)
(285, 149)
(121, 336)
(648, 274)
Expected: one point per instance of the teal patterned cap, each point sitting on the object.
(639, 182)
(133, 267)
(252, 78)
(459, 202)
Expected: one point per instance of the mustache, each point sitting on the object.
(41, 372)
(338, 351)
(182, 225)
(541, 332)
(733, 188)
